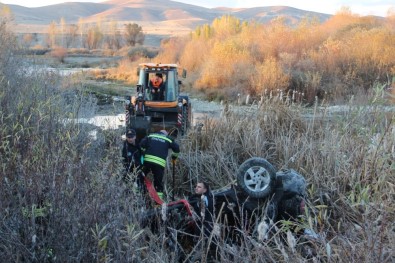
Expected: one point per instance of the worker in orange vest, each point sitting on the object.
(157, 87)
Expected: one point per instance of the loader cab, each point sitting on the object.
(145, 113)
(170, 80)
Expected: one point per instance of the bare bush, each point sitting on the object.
(348, 166)
(56, 178)
(59, 53)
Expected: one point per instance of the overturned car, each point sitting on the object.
(261, 195)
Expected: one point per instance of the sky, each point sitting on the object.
(361, 7)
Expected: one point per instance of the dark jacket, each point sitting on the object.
(131, 156)
(156, 148)
(203, 203)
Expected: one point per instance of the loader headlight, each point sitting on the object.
(180, 104)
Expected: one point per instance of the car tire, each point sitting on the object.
(256, 177)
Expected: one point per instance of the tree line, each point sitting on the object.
(93, 35)
(346, 55)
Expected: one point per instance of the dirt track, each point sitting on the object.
(112, 115)
(204, 109)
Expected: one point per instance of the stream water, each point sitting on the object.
(201, 110)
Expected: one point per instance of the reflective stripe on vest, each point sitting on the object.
(163, 137)
(155, 159)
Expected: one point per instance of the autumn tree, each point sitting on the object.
(94, 37)
(275, 38)
(6, 14)
(342, 56)
(51, 34)
(205, 31)
(134, 34)
(70, 35)
(7, 43)
(189, 59)
(226, 26)
(269, 76)
(225, 66)
(390, 19)
(27, 40)
(81, 30)
(113, 38)
(62, 30)
(305, 36)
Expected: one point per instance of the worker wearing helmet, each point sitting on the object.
(156, 148)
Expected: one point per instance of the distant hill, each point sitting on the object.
(157, 17)
(146, 11)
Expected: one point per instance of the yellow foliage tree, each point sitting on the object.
(269, 76)
(27, 40)
(195, 54)
(94, 37)
(51, 35)
(346, 53)
(306, 36)
(390, 19)
(220, 70)
(205, 31)
(373, 52)
(226, 26)
(275, 39)
(340, 20)
(171, 50)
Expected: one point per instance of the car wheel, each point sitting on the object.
(256, 177)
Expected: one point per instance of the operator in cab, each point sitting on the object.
(157, 87)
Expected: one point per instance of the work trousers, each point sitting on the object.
(158, 172)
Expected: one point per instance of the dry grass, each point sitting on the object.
(62, 200)
(347, 160)
(75, 193)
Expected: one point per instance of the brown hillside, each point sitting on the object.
(154, 16)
